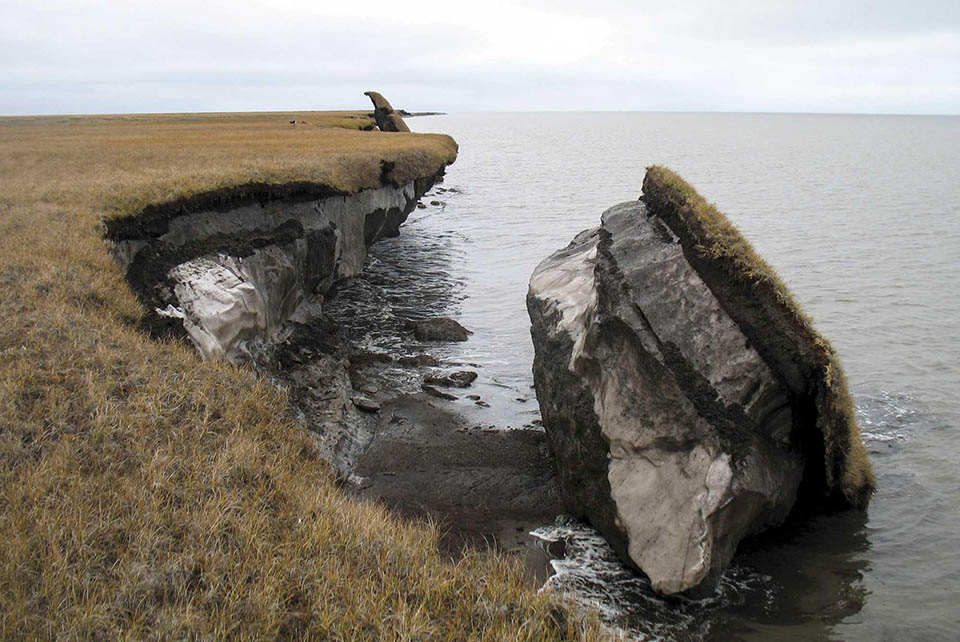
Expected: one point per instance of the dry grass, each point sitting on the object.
(146, 494)
(119, 164)
(717, 240)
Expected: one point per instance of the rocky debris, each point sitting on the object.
(321, 391)
(462, 378)
(439, 394)
(365, 403)
(364, 358)
(388, 120)
(674, 436)
(420, 360)
(459, 379)
(441, 329)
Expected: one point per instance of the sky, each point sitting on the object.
(850, 56)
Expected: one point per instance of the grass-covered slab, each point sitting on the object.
(838, 470)
(147, 494)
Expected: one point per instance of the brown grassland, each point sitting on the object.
(147, 494)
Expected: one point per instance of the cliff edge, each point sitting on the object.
(230, 267)
(147, 493)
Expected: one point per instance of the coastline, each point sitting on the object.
(141, 483)
(486, 485)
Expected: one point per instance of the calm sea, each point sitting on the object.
(861, 217)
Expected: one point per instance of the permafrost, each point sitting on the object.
(236, 276)
(687, 399)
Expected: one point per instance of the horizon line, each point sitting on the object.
(491, 111)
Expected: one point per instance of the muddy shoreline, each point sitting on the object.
(356, 378)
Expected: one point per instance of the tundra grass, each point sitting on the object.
(847, 466)
(147, 494)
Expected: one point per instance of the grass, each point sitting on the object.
(717, 241)
(147, 494)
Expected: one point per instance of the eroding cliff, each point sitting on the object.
(684, 402)
(231, 272)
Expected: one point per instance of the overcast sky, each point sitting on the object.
(884, 56)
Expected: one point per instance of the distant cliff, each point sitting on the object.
(388, 119)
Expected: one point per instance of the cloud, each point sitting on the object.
(879, 56)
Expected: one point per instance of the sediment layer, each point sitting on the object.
(231, 270)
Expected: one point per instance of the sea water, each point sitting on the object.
(860, 215)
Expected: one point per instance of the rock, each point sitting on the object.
(421, 206)
(434, 203)
(442, 329)
(419, 360)
(366, 404)
(364, 358)
(387, 119)
(683, 401)
(462, 378)
(473, 397)
(439, 394)
(459, 379)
